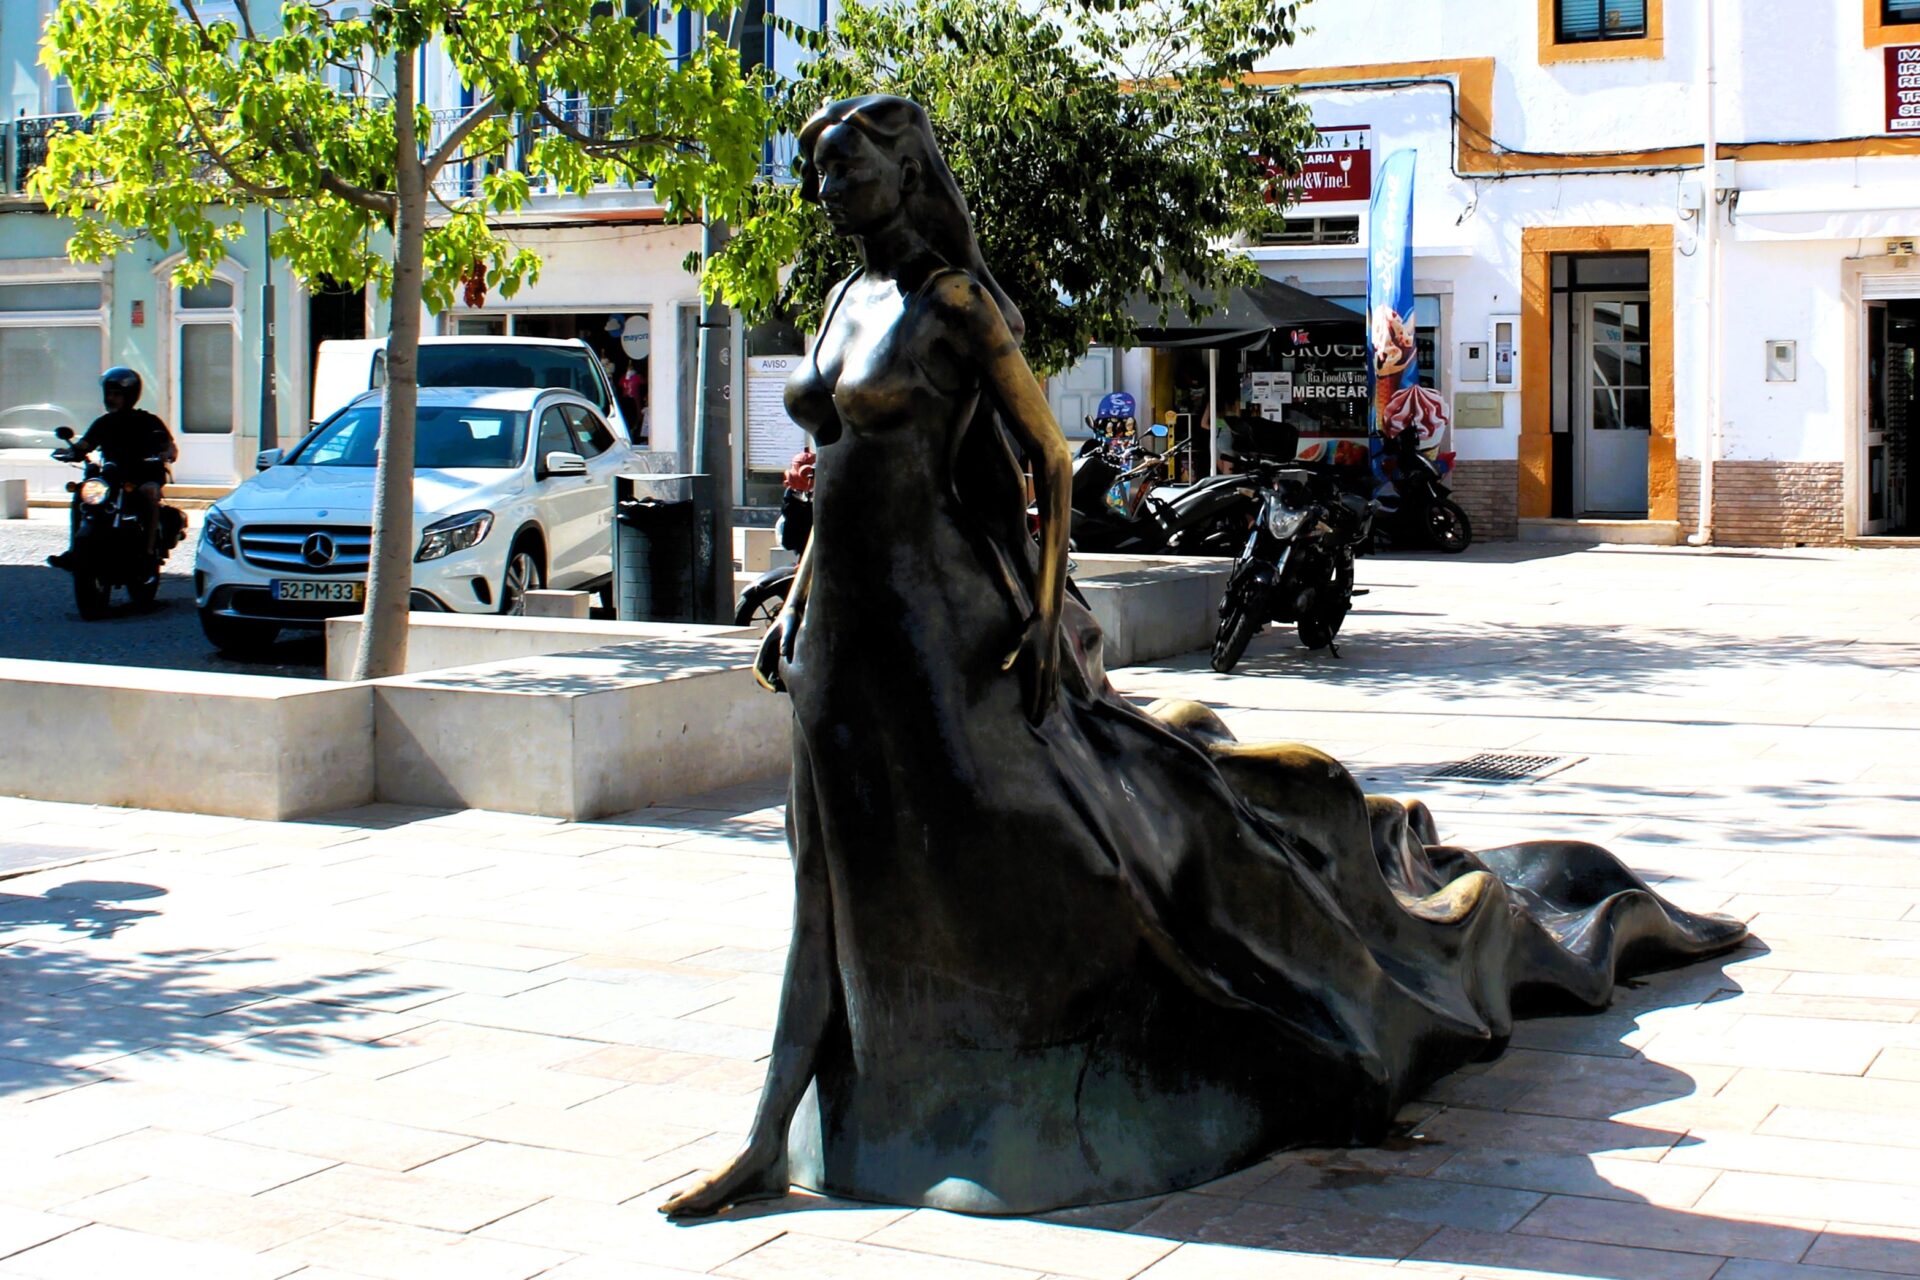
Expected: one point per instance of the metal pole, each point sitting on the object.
(1213, 411)
(713, 449)
(1710, 252)
(269, 373)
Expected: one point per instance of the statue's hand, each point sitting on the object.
(1038, 658)
(777, 647)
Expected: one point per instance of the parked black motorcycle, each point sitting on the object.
(109, 544)
(1425, 515)
(1297, 565)
(1116, 510)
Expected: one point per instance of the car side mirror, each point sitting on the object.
(267, 458)
(561, 463)
(64, 433)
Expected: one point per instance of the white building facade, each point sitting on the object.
(1561, 257)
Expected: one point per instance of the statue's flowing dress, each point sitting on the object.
(1116, 953)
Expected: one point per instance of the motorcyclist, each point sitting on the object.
(138, 445)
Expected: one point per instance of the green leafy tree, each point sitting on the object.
(321, 118)
(1109, 150)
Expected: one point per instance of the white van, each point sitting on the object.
(345, 367)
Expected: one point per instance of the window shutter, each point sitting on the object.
(1579, 19)
(1625, 16)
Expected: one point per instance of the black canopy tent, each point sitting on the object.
(1243, 317)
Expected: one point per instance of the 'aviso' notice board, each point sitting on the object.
(772, 436)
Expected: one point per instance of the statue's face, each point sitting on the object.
(860, 184)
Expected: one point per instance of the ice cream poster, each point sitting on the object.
(1397, 400)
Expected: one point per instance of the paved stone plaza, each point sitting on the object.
(413, 1044)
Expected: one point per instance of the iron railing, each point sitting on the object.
(462, 180)
(25, 146)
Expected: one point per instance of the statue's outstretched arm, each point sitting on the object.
(989, 346)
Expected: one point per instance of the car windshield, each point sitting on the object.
(446, 437)
(482, 364)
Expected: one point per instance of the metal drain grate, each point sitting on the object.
(1494, 766)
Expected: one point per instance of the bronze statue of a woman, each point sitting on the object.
(1049, 948)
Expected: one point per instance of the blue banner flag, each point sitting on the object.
(1396, 400)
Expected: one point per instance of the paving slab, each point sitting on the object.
(404, 1042)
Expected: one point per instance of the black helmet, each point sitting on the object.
(121, 378)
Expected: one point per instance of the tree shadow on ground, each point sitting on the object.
(67, 1012)
(1564, 661)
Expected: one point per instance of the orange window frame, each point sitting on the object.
(1881, 32)
(1650, 45)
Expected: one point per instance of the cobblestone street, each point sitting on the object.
(413, 1043)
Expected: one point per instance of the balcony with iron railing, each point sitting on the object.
(463, 179)
(23, 146)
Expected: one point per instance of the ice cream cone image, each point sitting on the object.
(1393, 349)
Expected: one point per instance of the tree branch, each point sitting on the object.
(449, 146)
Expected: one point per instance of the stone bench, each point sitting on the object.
(196, 742)
(580, 735)
(1153, 613)
(436, 641)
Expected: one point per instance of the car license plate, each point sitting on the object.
(323, 592)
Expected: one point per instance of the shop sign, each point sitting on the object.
(1337, 166)
(1903, 88)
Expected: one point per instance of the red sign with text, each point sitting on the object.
(1903, 88)
(1338, 166)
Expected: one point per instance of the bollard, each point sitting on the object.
(558, 604)
(13, 499)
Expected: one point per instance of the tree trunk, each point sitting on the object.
(383, 638)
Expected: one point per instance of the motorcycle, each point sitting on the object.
(1297, 565)
(1116, 510)
(1425, 515)
(109, 545)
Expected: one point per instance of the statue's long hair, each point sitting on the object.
(935, 207)
(987, 476)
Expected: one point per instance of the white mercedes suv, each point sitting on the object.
(513, 491)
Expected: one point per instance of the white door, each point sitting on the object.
(567, 503)
(1615, 407)
(1075, 392)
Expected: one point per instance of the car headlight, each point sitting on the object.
(94, 491)
(455, 533)
(217, 532)
(1283, 522)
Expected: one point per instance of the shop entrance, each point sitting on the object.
(1891, 491)
(1602, 384)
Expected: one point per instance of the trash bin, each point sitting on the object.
(656, 547)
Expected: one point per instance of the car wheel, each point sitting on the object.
(524, 574)
(240, 637)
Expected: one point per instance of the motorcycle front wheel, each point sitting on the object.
(1451, 530)
(760, 604)
(1236, 630)
(92, 592)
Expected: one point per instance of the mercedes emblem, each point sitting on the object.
(318, 550)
